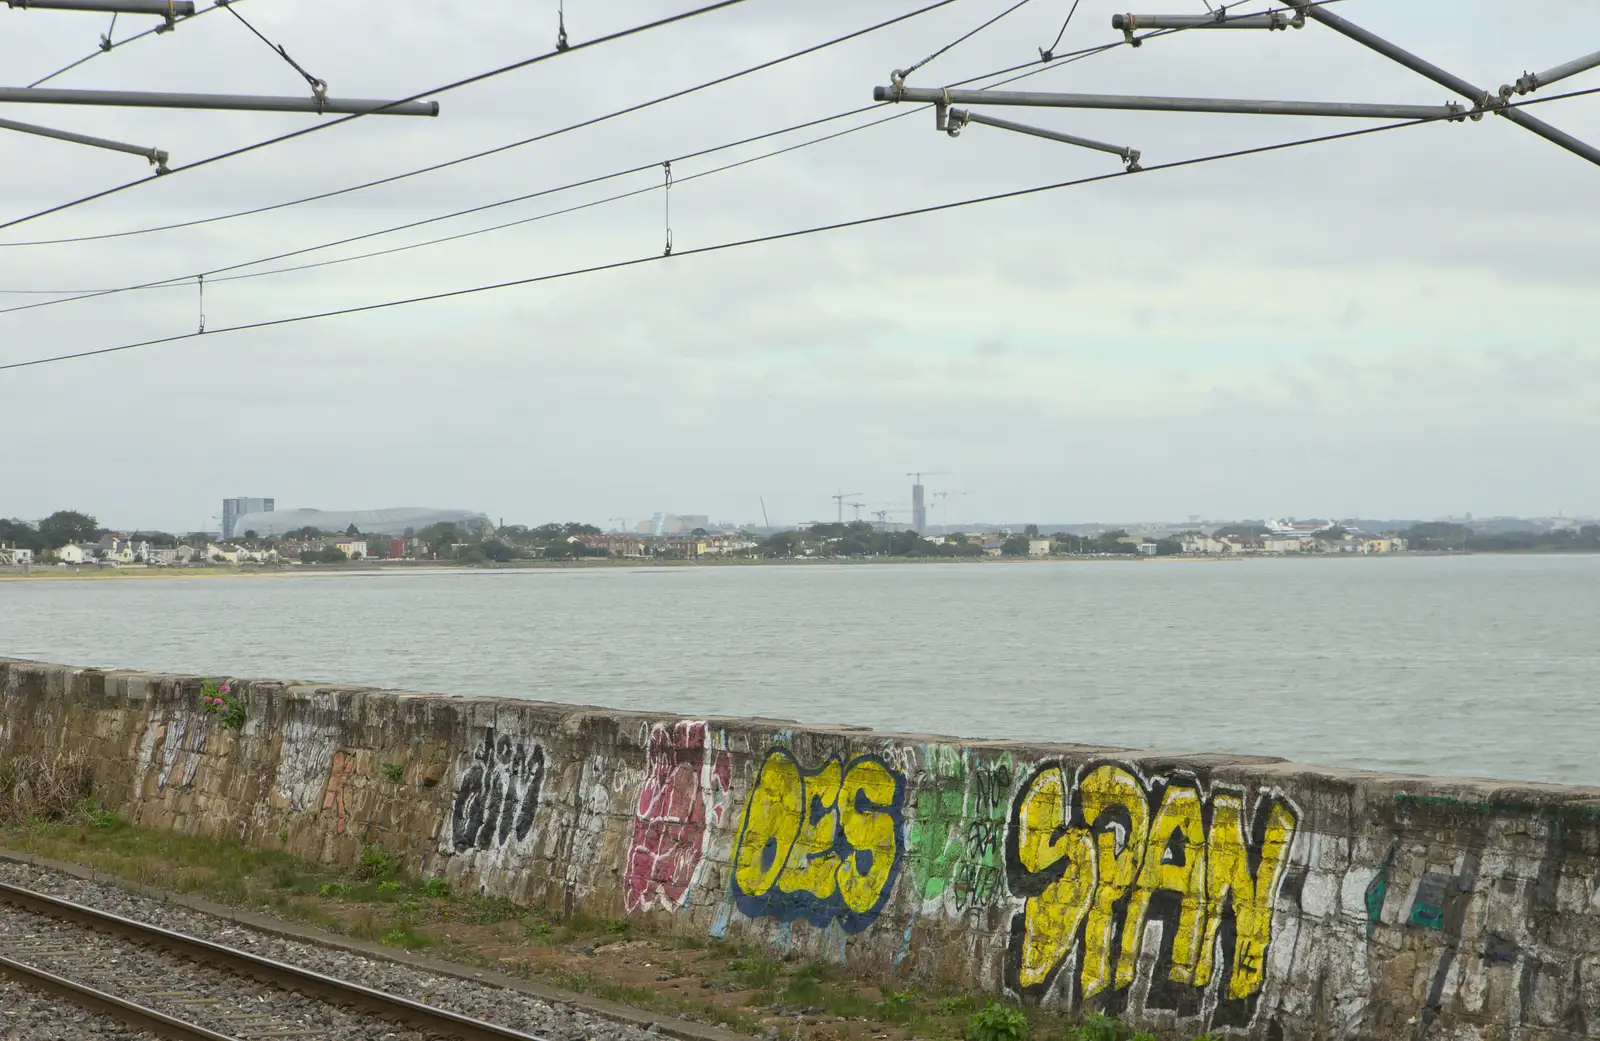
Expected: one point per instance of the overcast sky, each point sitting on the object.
(1400, 325)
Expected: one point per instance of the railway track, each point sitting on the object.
(181, 987)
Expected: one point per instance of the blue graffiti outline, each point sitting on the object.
(788, 907)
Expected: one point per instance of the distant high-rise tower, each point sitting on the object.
(919, 510)
(233, 509)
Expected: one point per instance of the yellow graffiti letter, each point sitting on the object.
(1119, 851)
(813, 865)
(1228, 874)
(1051, 919)
(868, 787)
(1178, 816)
(771, 822)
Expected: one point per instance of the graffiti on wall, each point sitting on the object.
(333, 800)
(685, 793)
(957, 834)
(1097, 857)
(821, 844)
(303, 762)
(498, 793)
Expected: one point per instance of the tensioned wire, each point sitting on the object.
(316, 127)
(1034, 66)
(212, 273)
(756, 240)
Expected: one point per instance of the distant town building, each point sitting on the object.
(15, 556)
(355, 549)
(401, 520)
(233, 509)
(1038, 547)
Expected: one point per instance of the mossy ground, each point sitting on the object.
(708, 981)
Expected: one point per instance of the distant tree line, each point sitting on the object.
(1442, 535)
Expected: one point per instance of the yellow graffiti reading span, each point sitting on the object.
(1178, 823)
(1228, 878)
(1051, 919)
(1108, 852)
(1119, 848)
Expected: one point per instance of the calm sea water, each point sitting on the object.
(1484, 666)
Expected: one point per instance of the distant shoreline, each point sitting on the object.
(52, 573)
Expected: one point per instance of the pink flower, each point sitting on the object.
(225, 689)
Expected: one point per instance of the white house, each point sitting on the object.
(15, 555)
(222, 554)
(355, 549)
(72, 553)
(1038, 547)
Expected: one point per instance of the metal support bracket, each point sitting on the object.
(1132, 102)
(242, 102)
(1529, 82)
(1217, 19)
(960, 117)
(157, 157)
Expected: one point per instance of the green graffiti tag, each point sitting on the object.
(958, 830)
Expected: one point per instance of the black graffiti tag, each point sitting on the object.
(498, 794)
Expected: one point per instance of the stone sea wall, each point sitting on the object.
(1243, 895)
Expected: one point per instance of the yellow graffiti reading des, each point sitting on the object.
(1091, 860)
(822, 844)
(813, 867)
(772, 814)
(868, 784)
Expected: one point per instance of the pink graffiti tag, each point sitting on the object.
(686, 786)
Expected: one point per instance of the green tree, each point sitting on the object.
(1032, 531)
(24, 536)
(1015, 546)
(352, 529)
(1168, 547)
(66, 526)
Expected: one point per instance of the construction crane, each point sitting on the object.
(943, 503)
(839, 500)
(622, 523)
(883, 517)
(858, 507)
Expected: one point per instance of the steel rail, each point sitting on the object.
(328, 988)
(137, 1016)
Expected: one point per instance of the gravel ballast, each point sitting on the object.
(493, 1004)
(26, 1015)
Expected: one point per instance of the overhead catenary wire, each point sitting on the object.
(106, 46)
(1045, 53)
(909, 69)
(454, 85)
(431, 168)
(213, 272)
(162, 283)
(1034, 68)
(754, 240)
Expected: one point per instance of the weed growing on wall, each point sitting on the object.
(393, 772)
(56, 787)
(221, 701)
(997, 1022)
